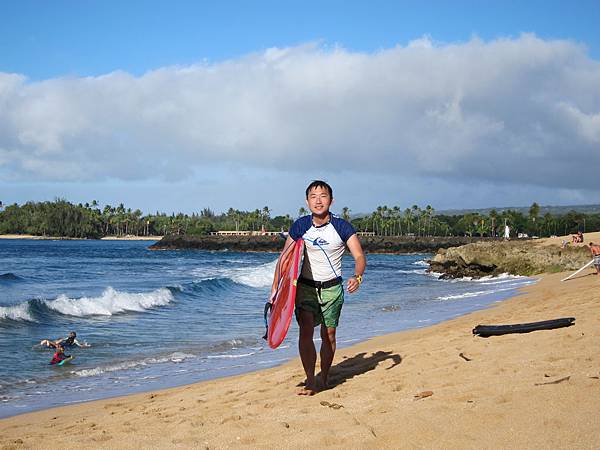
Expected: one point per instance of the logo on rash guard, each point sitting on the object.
(320, 242)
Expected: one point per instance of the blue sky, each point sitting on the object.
(75, 38)
(97, 95)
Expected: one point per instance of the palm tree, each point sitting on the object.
(548, 221)
(374, 219)
(266, 213)
(378, 217)
(481, 226)
(534, 211)
(493, 216)
(302, 212)
(396, 217)
(408, 219)
(415, 210)
(346, 213)
(107, 214)
(428, 215)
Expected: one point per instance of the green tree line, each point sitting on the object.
(64, 219)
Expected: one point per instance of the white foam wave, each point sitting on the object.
(421, 263)
(490, 279)
(417, 271)
(436, 275)
(16, 312)
(175, 357)
(517, 283)
(472, 294)
(110, 302)
(241, 355)
(257, 277)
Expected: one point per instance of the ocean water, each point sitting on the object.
(156, 319)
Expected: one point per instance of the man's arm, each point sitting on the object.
(360, 262)
(79, 344)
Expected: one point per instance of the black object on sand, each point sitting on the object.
(498, 330)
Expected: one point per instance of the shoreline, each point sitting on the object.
(489, 301)
(274, 243)
(373, 401)
(58, 238)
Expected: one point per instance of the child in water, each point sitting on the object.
(59, 355)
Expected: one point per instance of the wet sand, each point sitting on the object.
(438, 387)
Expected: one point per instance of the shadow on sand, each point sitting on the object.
(359, 364)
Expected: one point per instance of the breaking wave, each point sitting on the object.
(109, 303)
(257, 277)
(18, 312)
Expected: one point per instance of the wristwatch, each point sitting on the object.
(359, 278)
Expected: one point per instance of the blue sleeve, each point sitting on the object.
(300, 226)
(343, 228)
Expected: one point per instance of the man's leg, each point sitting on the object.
(328, 345)
(308, 353)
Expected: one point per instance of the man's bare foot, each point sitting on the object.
(323, 384)
(306, 390)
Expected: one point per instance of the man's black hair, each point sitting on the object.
(321, 184)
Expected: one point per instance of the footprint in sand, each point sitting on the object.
(331, 405)
(231, 419)
(423, 394)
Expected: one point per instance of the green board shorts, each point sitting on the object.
(324, 304)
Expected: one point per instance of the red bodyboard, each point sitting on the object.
(285, 296)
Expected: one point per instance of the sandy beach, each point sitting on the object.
(436, 387)
(107, 238)
(131, 238)
(558, 240)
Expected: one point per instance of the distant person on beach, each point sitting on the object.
(59, 355)
(320, 291)
(69, 341)
(578, 238)
(595, 249)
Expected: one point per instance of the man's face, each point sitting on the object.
(319, 200)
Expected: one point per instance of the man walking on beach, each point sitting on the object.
(320, 292)
(595, 249)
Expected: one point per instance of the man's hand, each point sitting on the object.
(272, 296)
(353, 285)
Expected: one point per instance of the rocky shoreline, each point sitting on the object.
(371, 244)
(514, 257)
(455, 257)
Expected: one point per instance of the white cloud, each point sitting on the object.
(522, 110)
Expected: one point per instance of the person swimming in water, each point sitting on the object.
(69, 341)
(59, 356)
